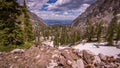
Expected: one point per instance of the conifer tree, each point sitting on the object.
(112, 30)
(99, 30)
(28, 34)
(118, 33)
(89, 30)
(10, 29)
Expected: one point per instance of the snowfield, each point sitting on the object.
(106, 50)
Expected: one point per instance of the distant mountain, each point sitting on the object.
(100, 10)
(61, 22)
(37, 21)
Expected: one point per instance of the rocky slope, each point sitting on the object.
(50, 57)
(101, 10)
(37, 21)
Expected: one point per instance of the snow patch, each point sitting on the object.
(62, 47)
(17, 51)
(106, 50)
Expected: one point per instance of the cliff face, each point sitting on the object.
(100, 10)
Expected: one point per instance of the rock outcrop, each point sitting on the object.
(50, 57)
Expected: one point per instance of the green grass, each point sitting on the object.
(11, 47)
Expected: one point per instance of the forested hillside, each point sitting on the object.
(100, 21)
(15, 25)
(62, 34)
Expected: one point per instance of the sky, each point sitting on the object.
(58, 9)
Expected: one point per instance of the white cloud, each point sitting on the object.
(63, 5)
(56, 4)
(83, 8)
(68, 8)
(61, 9)
(50, 15)
(66, 13)
(36, 4)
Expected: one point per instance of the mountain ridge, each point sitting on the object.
(100, 10)
(37, 21)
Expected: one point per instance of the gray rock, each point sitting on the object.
(118, 55)
(0, 53)
(69, 62)
(88, 56)
(111, 65)
(17, 51)
(78, 64)
(118, 60)
(52, 64)
(102, 57)
(97, 60)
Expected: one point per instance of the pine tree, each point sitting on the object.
(118, 33)
(10, 29)
(28, 34)
(99, 30)
(112, 30)
(89, 30)
(117, 29)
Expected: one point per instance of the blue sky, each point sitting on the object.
(58, 9)
(51, 1)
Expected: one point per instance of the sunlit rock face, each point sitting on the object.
(100, 10)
